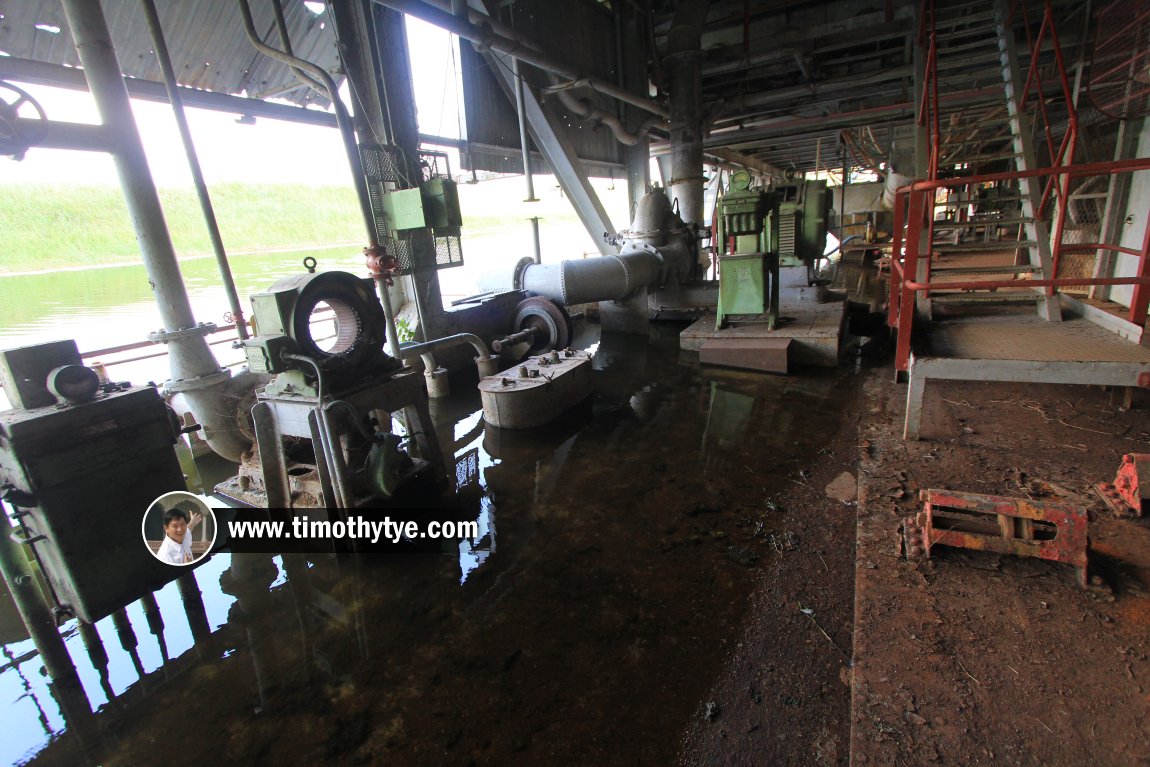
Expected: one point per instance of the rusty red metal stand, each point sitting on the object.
(1018, 526)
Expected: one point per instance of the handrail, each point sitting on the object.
(914, 204)
(1061, 282)
(1074, 171)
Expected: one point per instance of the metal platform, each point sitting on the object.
(814, 329)
(1023, 347)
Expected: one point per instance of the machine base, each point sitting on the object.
(815, 331)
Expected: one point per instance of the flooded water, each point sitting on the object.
(618, 549)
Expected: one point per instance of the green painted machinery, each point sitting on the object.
(771, 229)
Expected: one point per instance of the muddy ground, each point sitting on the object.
(974, 658)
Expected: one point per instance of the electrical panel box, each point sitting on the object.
(79, 479)
(404, 208)
(441, 204)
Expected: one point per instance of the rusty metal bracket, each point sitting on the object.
(1128, 494)
(1018, 526)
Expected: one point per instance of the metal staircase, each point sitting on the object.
(989, 221)
(974, 51)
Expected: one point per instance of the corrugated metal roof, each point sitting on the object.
(206, 39)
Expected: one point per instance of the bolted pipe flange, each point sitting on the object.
(520, 269)
(166, 336)
(194, 384)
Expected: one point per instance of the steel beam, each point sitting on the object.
(72, 78)
(77, 136)
(1025, 158)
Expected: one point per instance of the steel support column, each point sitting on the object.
(194, 370)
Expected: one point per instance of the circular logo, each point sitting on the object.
(179, 528)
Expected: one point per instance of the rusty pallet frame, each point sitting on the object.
(1019, 526)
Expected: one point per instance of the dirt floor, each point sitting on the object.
(973, 658)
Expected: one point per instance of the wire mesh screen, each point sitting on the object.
(1119, 70)
(382, 164)
(448, 251)
(1085, 208)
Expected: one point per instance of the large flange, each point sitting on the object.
(552, 324)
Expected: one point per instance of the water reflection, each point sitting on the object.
(605, 575)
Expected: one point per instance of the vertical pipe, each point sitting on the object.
(894, 295)
(523, 131)
(102, 70)
(165, 61)
(535, 232)
(843, 197)
(389, 314)
(194, 370)
(683, 65)
(914, 231)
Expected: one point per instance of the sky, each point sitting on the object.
(273, 151)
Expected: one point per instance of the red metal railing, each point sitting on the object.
(914, 205)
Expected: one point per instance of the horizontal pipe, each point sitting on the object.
(80, 137)
(606, 278)
(408, 351)
(1063, 282)
(519, 50)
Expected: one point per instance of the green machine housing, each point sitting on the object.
(772, 228)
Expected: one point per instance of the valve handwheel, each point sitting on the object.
(20, 132)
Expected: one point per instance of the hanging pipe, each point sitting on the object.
(165, 61)
(377, 260)
(585, 109)
(523, 131)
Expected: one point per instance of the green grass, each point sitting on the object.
(53, 226)
(50, 226)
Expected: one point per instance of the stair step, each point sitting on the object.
(1004, 269)
(968, 246)
(958, 203)
(1000, 297)
(988, 222)
(953, 21)
(986, 158)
